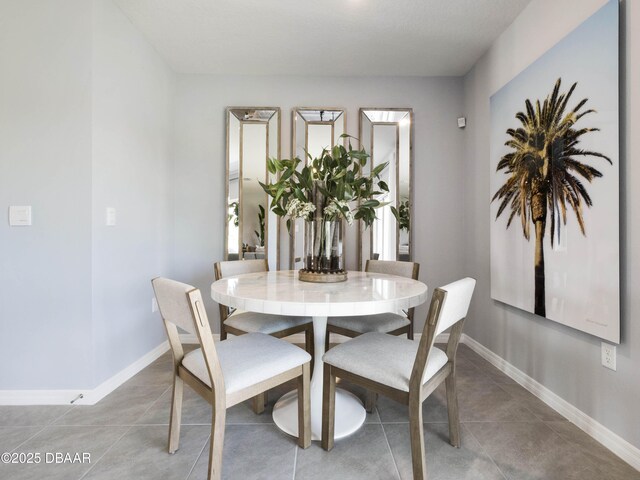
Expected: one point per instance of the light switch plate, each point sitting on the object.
(20, 215)
(110, 217)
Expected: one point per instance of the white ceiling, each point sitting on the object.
(322, 37)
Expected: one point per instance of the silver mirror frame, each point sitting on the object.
(368, 146)
(299, 112)
(254, 115)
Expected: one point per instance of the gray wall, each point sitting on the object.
(85, 123)
(564, 360)
(45, 161)
(200, 162)
(132, 122)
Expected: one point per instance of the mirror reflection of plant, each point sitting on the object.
(403, 215)
(260, 234)
(236, 211)
(333, 184)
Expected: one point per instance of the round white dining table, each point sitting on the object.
(281, 293)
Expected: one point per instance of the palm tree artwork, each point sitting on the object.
(546, 171)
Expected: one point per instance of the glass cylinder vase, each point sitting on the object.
(323, 261)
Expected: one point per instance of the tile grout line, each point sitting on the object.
(55, 419)
(386, 439)
(485, 451)
(295, 461)
(578, 446)
(26, 440)
(538, 417)
(122, 436)
(105, 452)
(197, 458)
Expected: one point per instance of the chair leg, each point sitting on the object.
(176, 414)
(370, 401)
(223, 332)
(452, 409)
(308, 341)
(417, 438)
(258, 402)
(328, 408)
(217, 441)
(327, 341)
(410, 332)
(304, 407)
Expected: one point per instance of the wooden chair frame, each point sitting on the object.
(417, 393)
(408, 329)
(216, 394)
(260, 400)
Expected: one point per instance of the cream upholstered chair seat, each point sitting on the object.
(227, 373)
(391, 322)
(238, 322)
(247, 360)
(253, 322)
(381, 322)
(394, 323)
(385, 359)
(404, 370)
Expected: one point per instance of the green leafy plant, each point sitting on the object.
(331, 186)
(260, 234)
(403, 215)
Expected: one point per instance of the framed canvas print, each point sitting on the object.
(555, 182)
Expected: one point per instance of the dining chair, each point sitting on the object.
(391, 322)
(228, 373)
(237, 322)
(404, 370)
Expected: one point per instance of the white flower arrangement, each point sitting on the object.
(297, 209)
(337, 207)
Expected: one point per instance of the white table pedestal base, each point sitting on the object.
(350, 415)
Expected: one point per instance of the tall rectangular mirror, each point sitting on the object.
(253, 136)
(314, 129)
(386, 134)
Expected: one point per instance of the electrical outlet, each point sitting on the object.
(609, 356)
(154, 305)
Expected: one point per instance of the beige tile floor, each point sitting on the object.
(506, 434)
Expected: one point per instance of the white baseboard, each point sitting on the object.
(89, 396)
(596, 430)
(38, 397)
(105, 388)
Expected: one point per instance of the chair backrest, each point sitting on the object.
(456, 303)
(172, 302)
(449, 307)
(402, 269)
(230, 268)
(181, 306)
